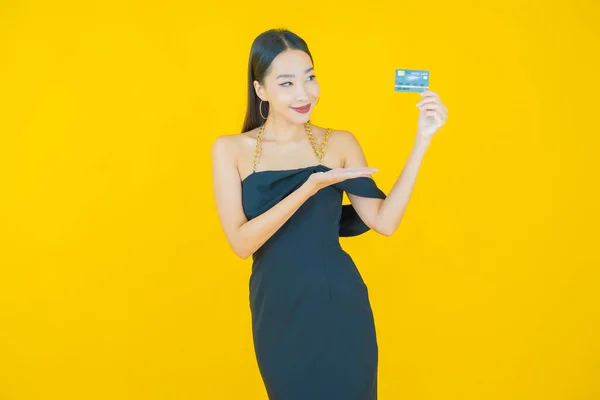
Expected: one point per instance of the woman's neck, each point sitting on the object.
(280, 129)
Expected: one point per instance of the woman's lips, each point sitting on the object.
(302, 110)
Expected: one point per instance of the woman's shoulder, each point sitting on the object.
(340, 138)
(233, 147)
(225, 146)
(342, 144)
(340, 135)
(232, 142)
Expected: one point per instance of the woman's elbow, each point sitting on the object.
(385, 230)
(243, 255)
(236, 244)
(241, 251)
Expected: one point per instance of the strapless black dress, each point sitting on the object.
(312, 323)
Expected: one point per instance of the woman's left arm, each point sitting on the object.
(384, 216)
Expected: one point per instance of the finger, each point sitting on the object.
(366, 173)
(427, 100)
(346, 173)
(430, 100)
(431, 106)
(343, 175)
(444, 108)
(431, 96)
(428, 93)
(362, 173)
(367, 170)
(435, 114)
(359, 169)
(443, 117)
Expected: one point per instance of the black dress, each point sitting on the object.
(312, 322)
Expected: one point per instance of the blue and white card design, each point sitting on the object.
(411, 80)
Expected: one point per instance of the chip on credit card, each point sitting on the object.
(411, 80)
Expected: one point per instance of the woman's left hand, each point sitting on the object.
(432, 116)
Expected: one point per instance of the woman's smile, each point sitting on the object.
(302, 110)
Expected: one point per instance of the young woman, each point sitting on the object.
(279, 188)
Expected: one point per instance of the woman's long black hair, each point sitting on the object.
(265, 48)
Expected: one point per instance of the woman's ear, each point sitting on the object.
(260, 91)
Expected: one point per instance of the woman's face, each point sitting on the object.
(291, 83)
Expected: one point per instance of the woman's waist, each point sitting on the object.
(308, 247)
(279, 268)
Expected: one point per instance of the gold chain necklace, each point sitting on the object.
(319, 152)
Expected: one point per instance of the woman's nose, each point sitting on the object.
(302, 93)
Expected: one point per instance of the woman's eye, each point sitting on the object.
(284, 84)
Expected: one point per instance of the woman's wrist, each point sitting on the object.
(422, 142)
(308, 188)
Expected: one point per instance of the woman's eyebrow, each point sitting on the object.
(292, 75)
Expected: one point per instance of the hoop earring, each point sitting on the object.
(260, 110)
(318, 100)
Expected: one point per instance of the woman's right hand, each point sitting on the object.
(319, 180)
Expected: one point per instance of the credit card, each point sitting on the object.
(411, 80)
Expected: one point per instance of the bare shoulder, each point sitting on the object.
(232, 145)
(221, 145)
(229, 151)
(350, 148)
(345, 139)
(226, 142)
(342, 145)
(223, 154)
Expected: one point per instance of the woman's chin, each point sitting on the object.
(301, 117)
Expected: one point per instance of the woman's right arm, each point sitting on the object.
(245, 237)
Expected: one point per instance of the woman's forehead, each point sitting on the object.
(291, 62)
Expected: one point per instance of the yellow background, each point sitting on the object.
(116, 281)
